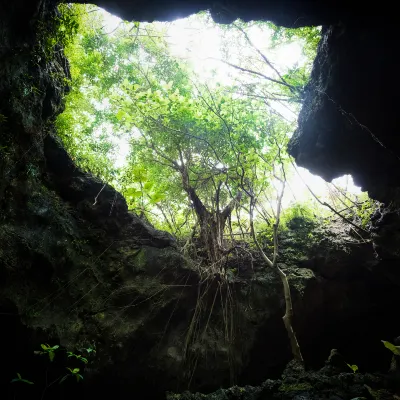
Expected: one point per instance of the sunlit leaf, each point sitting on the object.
(353, 367)
(394, 349)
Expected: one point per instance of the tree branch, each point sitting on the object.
(232, 204)
(325, 204)
(261, 54)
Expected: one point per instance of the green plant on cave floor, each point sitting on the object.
(353, 367)
(73, 373)
(51, 351)
(20, 379)
(47, 349)
(394, 349)
(77, 356)
(390, 346)
(32, 171)
(3, 119)
(90, 349)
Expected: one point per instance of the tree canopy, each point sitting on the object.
(186, 149)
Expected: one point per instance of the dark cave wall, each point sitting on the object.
(348, 123)
(289, 13)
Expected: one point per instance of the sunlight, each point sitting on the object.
(346, 182)
(111, 22)
(122, 152)
(298, 190)
(203, 46)
(201, 43)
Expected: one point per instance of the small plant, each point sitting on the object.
(90, 350)
(365, 210)
(47, 349)
(353, 367)
(32, 170)
(20, 379)
(77, 356)
(74, 373)
(394, 349)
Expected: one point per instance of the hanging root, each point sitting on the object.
(287, 318)
(214, 295)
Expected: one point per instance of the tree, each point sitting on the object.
(272, 262)
(198, 143)
(205, 138)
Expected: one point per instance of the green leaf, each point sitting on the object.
(132, 192)
(157, 198)
(45, 347)
(148, 185)
(394, 349)
(120, 115)
(353, 367)
(19, 379)
(75, 370)
(52, 355)
(90, 350)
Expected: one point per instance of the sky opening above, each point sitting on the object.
(199, 43)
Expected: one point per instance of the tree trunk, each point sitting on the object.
(211, 235)
(287, 318)
(212, 224)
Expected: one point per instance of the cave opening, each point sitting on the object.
(140, 90)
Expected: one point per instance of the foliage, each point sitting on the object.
(3, 119)
(140, 94)
(73, 373)
(176, 145)
(58, 31)
(298, 211)
(309, 36)
(366, 208)
(394, 349)
(353, 367)
(90, 349)
(77, 125)
(67, 26)
(20, 379)
(50, 350)
(77, 356)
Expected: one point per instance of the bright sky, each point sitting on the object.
(198, 43)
